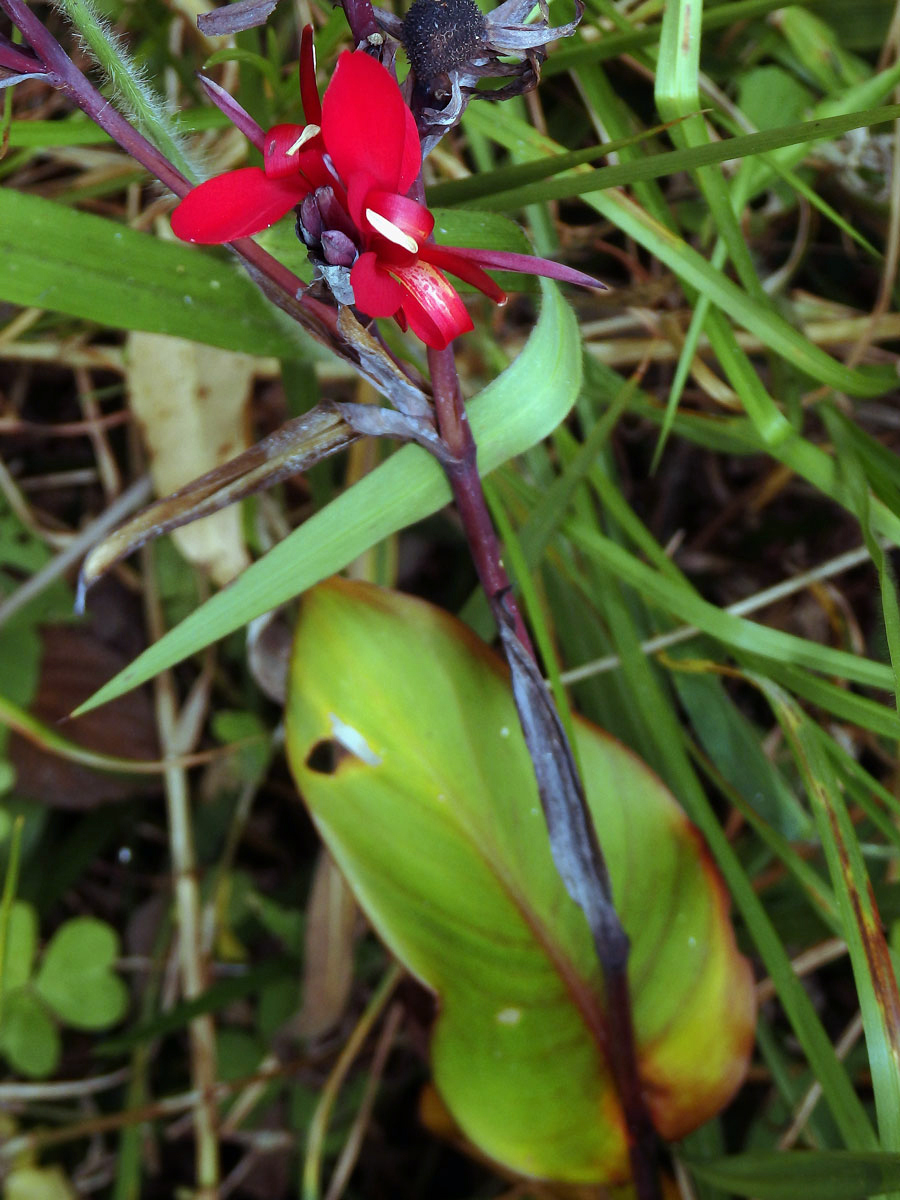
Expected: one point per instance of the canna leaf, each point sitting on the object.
(403, 740)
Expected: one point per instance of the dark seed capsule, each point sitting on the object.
(442, 34)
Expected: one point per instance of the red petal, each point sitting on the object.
(525, 264)
(425, 329)
(279, 140)
(282, 157)
(431, 305)
(452, 260)
(368, 130)
(410, 217)
(235, 205)
(358, 190)
(312, 166)
(309, 93)
(375, 292)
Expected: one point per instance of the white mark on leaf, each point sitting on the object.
(353, 741)
(509, 1016)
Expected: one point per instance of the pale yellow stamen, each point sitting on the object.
(309, 132)
(389, 230)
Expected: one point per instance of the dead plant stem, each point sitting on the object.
(192, 966)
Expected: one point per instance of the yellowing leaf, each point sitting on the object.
(403, 739)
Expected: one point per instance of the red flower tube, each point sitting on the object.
(360, 150)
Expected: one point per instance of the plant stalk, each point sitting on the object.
(192, 959)
(463, 477)
(361, 19)
(588, 866)
(573, 839)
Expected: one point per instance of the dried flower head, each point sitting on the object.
(451, 45)
(442, 35)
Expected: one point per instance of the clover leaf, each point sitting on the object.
(76, 979)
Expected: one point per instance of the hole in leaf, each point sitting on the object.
(323, 758)
(327, 755)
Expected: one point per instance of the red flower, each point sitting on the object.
(240, 203)
(362, 145)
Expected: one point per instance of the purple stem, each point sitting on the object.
(462, 474)
(12, 58)
(361, 19)
(612, 946)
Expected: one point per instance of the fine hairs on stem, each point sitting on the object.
(134, 91)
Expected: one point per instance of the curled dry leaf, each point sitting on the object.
(191, 402)
(331, 917)
(232, 18)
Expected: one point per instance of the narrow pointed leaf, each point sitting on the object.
(520, 407)
(863, 930)
(689, 265)
(669, 162)
(814, 1175)
(86, 266)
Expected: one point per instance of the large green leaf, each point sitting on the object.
(522, 405)
(85, 266)
(403, 739)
